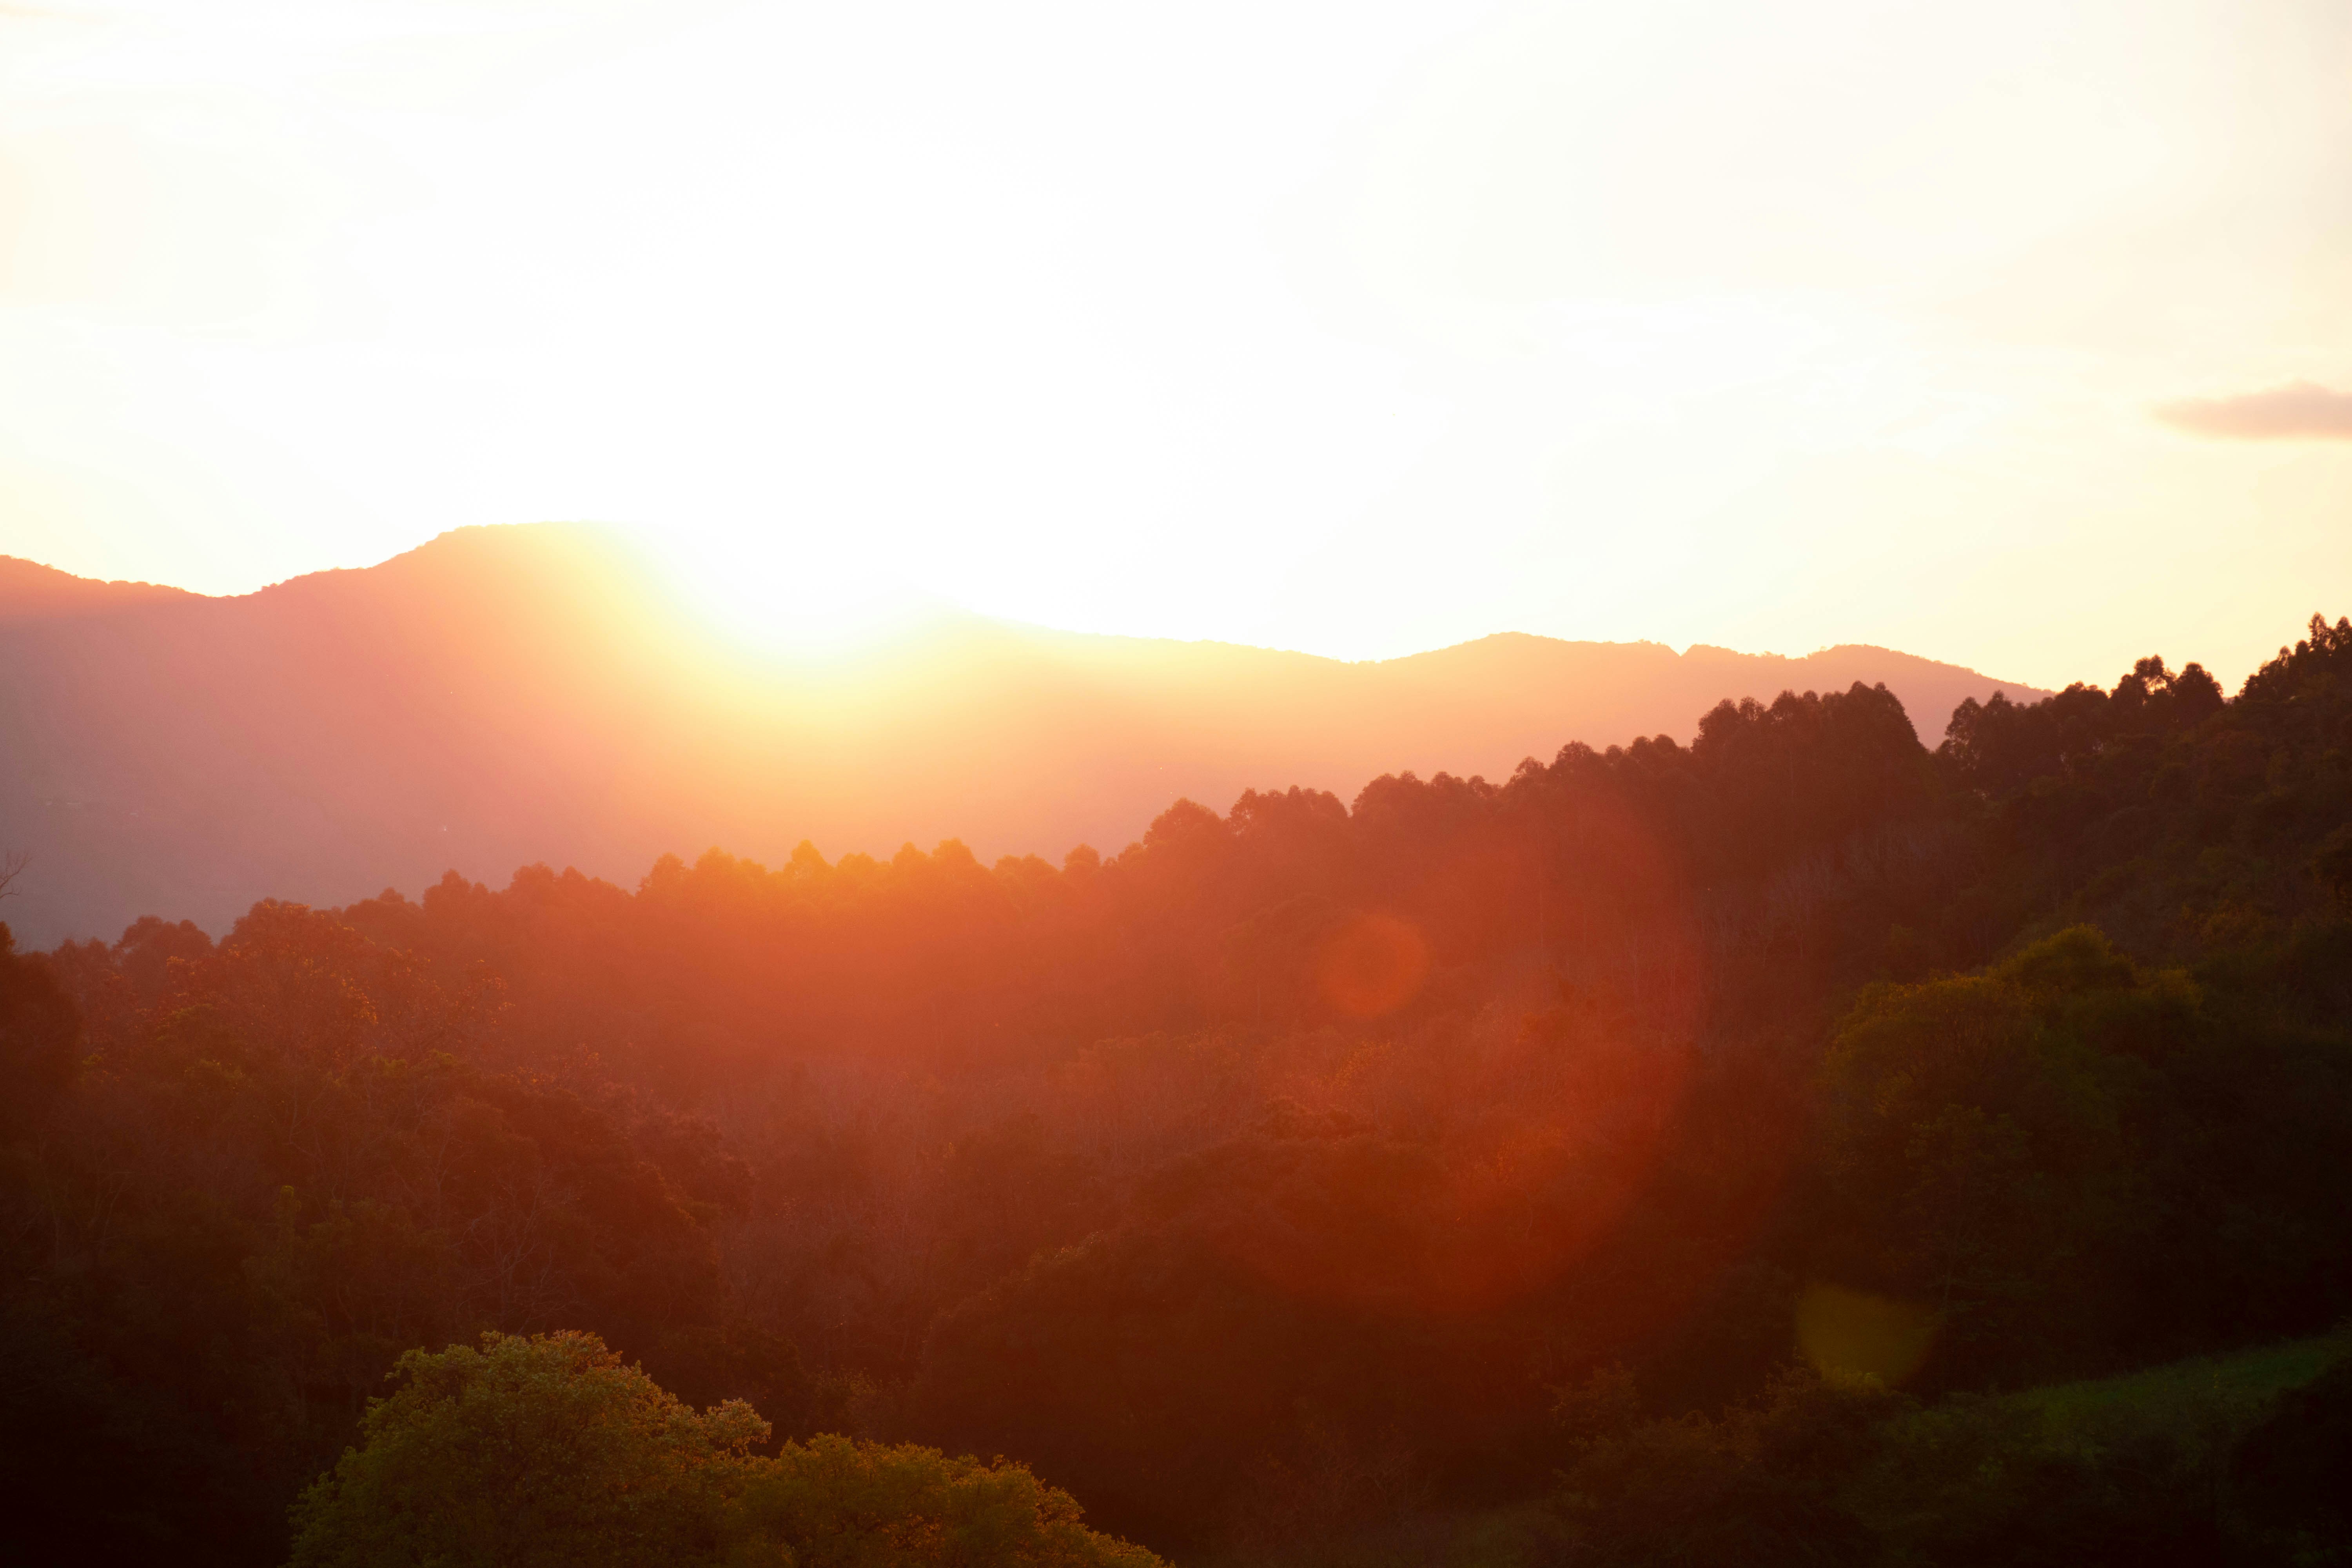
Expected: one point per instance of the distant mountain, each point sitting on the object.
(508, 695)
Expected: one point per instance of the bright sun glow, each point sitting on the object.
(804, 603)
(1353, 329)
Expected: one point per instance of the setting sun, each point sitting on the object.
(1670, 322)
(1425, 784)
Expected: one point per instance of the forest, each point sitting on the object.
(1802, 1145)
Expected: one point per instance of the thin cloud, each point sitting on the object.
(2299, 409)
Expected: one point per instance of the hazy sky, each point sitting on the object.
(2011, 333)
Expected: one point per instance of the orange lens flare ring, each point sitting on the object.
(1374, 964)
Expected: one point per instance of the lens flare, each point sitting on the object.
(1850, 1333)
(1372, 965)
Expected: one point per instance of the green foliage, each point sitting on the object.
(2033, 1153)
(2179, 823)
(2230, 1460)
(2209, 1461)
(1973, 1147)
(538, 1450)
(2238, 1388)
(2287, 1479)
(1761, 1483)
(548, 1449)
(832, 1502)
(2178, 1464)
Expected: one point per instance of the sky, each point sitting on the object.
(2016, 334)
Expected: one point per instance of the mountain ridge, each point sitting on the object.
(503, 696)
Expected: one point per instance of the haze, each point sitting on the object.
(2006, 335)
(504, 696)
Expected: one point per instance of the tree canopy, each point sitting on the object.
(546, 1449)
(1283, 1171)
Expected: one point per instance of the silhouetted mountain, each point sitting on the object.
(502, 696)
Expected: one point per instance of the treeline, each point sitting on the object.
(1289, 1168)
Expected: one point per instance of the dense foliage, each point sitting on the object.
(1290, 1170)
(548, 1450)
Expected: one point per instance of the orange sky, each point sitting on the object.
(2013, 335)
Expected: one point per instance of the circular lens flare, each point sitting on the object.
(1372, 965)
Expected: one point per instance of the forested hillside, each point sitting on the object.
(505, 695)
(1309, 1171)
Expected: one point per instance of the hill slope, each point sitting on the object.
(502, 696)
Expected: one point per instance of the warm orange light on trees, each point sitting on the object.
(1371, 965)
